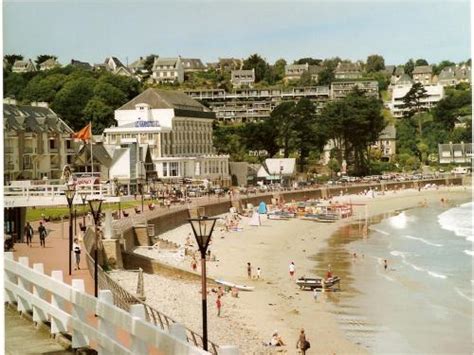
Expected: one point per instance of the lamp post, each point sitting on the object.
(140, 189)
(70, 191)
(202, 229)
(95, 206)
(83, 195)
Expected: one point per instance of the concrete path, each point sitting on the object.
(22, 337)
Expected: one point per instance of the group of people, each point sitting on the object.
(43, 233)
(258, 275)
(302, 343)
(29, 232)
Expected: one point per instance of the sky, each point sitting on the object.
(208, 29)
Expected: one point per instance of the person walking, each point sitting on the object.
(302, 343)
(315, 293)
(249, 270)
(28, 233)
(77, 253)
(259, 273)
(292, 268)
(218, 305)
(385, 264)
(42, 234)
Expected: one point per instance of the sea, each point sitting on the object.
(423, 302)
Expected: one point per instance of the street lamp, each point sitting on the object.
(83, 195)
(69, 192)
(140, 189)
(95, 206)
(202, 228)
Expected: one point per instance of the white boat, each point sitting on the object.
(239, 287)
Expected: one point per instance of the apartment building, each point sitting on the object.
(37, 142)
(177, 131)
(246, 105)
(340, 89)
(434, 94)
(242, 77)
(168, 70)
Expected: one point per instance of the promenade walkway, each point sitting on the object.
(22, 337)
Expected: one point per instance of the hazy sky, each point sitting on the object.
(92, 30)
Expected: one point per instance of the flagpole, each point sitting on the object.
(92, 155)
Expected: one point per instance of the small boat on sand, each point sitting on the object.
(317, 282)
(231, 284)
(282, 215)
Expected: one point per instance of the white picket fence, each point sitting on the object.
(70, 309)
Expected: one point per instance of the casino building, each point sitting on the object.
(178, 133)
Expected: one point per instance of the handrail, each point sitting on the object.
(124, 299)
(68, 308)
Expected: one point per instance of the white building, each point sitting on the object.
(434, 94)
(178, 132)
(168, 70)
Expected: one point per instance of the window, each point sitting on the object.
(174, 168)
(165, 169)
(68, 144)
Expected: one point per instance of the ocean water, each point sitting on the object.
(424, 302)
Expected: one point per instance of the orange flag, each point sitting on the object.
(84, 134)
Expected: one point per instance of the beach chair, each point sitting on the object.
(151, 207)
(125, 214)
(137, 210)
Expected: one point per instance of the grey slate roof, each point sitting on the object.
(32, 119)
(162, 99)
(347, 67)
(164, 61)
(423, 69)
(192, 63)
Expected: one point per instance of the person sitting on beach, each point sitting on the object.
(276, 340)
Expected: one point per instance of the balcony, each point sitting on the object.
(8, 150)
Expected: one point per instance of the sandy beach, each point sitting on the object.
(276, 303)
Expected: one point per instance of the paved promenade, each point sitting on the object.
(22, 337)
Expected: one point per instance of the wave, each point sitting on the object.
(379, 231)
(399, 221)
(434, 274)
(458, 220)
(403, 255)
(469, 252)
(463, 295)
(423, 241)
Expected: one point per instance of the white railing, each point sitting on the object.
(41, 195)
(70, 310)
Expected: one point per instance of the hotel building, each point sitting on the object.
(178, 132)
